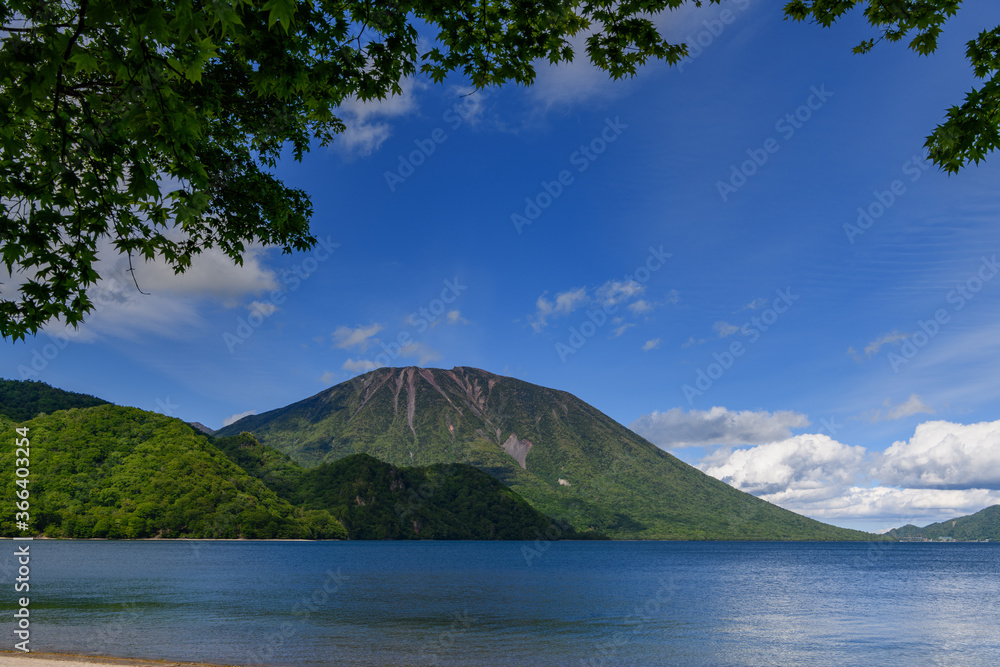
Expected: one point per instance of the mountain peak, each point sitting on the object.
(566, 457)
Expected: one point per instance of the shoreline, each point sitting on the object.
(33, 659)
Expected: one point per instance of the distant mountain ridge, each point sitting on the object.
(983, 525)
(566, 457)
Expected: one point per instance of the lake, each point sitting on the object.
(516, 603)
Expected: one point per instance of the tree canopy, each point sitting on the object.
(151, 127)
(971, 129)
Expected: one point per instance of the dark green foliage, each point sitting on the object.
(117, 472)
(21, 401)
(276, 469)
(618, 483)
(983, 525)
(377, 501)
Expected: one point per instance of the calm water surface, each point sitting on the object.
(482, 603)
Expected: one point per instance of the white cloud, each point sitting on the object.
(366, 123)
(470, 103)
(725, 329)
(327, 377)
(893, 505)
(572, 82)
(693, 341)
(455, 317)
(212, 274)
(651, 344)
(911, 406)
(945, 470)
(169, 304)
(676, 428)
(264, 308)
(578, 81)
(421, 352)
(360, 365)
(359, 337)
(640, 306)
(673, 296)
(235, 418)
(755, 304)
(565, 303)
(614, 292)
(618, 331)
(812, 466)
(944, 455)
(611, 294)
(873, 347)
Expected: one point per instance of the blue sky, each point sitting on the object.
(746, 258)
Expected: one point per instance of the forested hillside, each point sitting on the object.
(117, 472)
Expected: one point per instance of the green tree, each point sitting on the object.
(152, 126)
(972, 129)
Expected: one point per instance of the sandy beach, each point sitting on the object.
(61, 660)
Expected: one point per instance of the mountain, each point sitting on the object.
(116, 472)
(24, 400)
(564, 456)
(983, 525)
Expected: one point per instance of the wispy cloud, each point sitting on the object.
(608, 296)
(564, 303)
(421, 352)
(651, 344)
(357, 337)
(367, 124)
(873, 347)
(235, 418)
(640, 307)
(718, 426)
(455, 317)
(725, 329)
(264, 308)
(360, 365)
(615, 292)
(911, 406)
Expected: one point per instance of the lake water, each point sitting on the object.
(508, 603)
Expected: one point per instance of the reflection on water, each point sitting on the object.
(461, 603)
